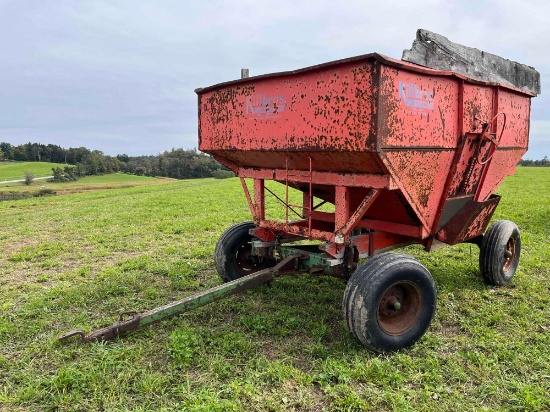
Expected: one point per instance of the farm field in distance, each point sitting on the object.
(16, 170)
(79, 259)
(87, 184)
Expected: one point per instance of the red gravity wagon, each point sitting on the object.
(406, 154)
(385, 153)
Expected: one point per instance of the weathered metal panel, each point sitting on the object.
(417, 110)
(478, 104)
(324, 110)
(517, 108)
(470, 221)
(265, 121)
(417, 135)
(421, 176)
(507, 113)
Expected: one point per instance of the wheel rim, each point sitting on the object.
(509, 254)
(399, 308)
(245, 263)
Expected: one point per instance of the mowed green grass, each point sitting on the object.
(76, 261)
(17, 170)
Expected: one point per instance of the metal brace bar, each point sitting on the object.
(365, 204)
(283, 202)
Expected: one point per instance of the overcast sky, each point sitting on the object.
(119, 76)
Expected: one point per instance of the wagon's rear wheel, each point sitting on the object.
(389, 302)
(499, 253)
(232, 256)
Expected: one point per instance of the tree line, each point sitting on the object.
(545, 162)
(87, 162)
(177, 163)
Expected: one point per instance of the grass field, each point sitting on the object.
(76, 261)
(16, 170)
(87, 184)
(117, 178)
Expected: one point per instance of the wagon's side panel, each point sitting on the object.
(417, 110)
(507, 114)
(264, 121)
(514, 141)
(518, 109)
(478, 104)
(418, 122)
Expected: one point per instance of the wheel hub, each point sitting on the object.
(245, 263)
(509, 254)
(399, 308)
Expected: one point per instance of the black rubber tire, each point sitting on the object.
(230, 255)
(500, 252)
(371, 317)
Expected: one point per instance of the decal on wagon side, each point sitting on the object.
(261, 106)
(415, 99)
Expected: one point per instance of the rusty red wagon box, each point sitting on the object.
(406, 146)
(385, 153)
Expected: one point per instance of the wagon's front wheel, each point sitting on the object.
(499, 253)
(389, 302)
(233, 257)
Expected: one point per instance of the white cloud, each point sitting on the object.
(541, 130)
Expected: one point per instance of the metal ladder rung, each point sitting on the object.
(303, 174)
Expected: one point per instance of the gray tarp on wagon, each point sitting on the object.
(437, 52)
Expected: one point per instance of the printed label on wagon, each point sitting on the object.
(261, 106)
(416, 99)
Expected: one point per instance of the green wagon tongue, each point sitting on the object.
(130, 321)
